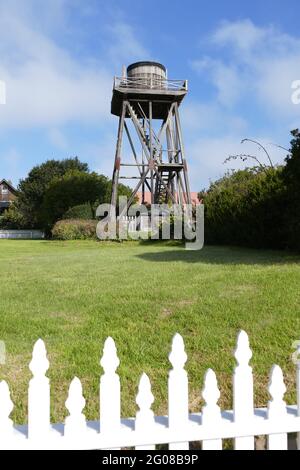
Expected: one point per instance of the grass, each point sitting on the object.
(75, 294)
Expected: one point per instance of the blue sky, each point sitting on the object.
(58, 63)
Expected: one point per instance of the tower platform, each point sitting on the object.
(161, 92)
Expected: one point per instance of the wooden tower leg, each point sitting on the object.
(151, 163)
(181, 147)
(116, 172)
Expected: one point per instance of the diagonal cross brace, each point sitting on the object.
(143, 140)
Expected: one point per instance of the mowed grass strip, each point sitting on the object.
(75, 294)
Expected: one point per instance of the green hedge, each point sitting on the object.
(74, 229)
(257, 207)
(246, 208)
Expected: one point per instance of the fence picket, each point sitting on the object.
(211, 413)
(277, 408)
(243, 390)
(178, 391)
(144, 422)
(6, 407)
(75, 424)
(110, 390)
(39, 394)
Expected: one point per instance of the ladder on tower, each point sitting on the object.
(161, 195)
(157, 147)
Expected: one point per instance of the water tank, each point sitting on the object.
(146, 75)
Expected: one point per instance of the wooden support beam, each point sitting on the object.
(118, 159)
(180, 141)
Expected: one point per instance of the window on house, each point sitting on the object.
(4, 189)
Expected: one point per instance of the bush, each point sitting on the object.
(12, 219)
(246, 208)
(82, 211)
(74, 229)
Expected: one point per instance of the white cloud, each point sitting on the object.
(261, 64)
(206, 156)
(11, 161)
(50, 84)
(124, 47)
(251, 69)
(209, 117)
(243, 35)
(226, 79)
(46, 85)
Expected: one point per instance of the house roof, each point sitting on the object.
(194, 197)
(11, 187)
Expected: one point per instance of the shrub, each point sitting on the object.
(246, 208)
(12, 219)
(74, 229)
(82, 211)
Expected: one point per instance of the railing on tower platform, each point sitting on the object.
(152, 83)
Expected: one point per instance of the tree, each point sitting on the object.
(32, 189)
(71, 189)
(292, 168)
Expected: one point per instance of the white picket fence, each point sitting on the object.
(133, 223)
(22, 234)
(145, 431)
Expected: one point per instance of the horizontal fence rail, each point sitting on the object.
(208, 428)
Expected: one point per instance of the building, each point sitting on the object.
(147, 197)
(7, 194)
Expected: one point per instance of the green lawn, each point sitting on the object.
(75, 294)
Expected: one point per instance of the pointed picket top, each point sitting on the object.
(211, 413)
(276, 385)
(39, 363)
(6, 405)
(109, 360)
(177, 356)
(243, 352)
(75, 402)
(210, 392)
(144, 398)
(144, 422)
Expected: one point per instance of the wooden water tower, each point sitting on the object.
(147, 103)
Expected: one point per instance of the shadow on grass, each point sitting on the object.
(220, 255)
